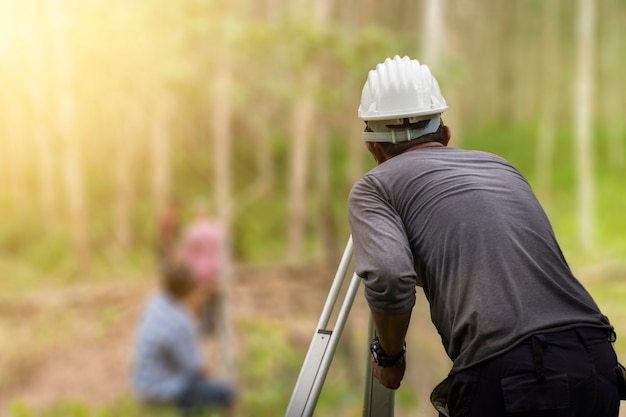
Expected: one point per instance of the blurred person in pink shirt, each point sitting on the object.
(202, 250)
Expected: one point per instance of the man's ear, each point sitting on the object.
(377, 151)
(445, 133)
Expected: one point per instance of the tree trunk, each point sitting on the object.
(329, 251)
(161, 158)
(222, 142)
(583, 123)
(10, 160)
(302, 123)
(70, 144)
(503, 97)
(47, 181)
(123, 177)
(325, 219)
(34, 72)
(522, 55)
(434, 44)
(548, 99)
(612, 83)
(433, 34)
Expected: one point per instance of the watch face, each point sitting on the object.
(377, 352)
(379, 355)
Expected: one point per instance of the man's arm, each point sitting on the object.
(383, 259)
(391, 331)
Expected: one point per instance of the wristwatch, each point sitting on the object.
(382, 359)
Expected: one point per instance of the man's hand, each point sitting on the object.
(389, 377)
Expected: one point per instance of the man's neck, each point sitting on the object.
(425, 145)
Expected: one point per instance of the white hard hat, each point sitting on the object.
(400, 88)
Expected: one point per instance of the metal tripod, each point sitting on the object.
(378, 401)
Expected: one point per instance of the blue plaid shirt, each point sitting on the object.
(167, 355)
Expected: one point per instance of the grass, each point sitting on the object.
(271, 361)
(73, 408)
(611, 298)
(267, 368)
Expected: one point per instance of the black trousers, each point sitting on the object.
(563, 374)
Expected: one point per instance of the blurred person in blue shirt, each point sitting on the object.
(168, 368)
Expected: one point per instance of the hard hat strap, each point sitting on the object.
(401, 135)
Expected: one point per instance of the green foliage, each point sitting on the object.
(261, 236)
(268, 369)
(124, 61)
(610, 295)
(125, 407)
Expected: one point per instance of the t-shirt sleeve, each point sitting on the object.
(382, 253)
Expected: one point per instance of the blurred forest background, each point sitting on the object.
(113, 109)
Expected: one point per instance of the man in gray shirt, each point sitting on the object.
(522, 332)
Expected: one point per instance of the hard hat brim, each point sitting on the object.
(400, 115)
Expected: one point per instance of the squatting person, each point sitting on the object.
(168, 368)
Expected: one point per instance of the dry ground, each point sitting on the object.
(75, 343)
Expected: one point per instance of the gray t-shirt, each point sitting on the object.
(466, 227)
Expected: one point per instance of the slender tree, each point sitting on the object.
(123, 174)
(548, 97)
(13, 161)
(9, 149)
(301, 130)
(611, 82)
(433, 35)
(161, 151)
(38, 92)
(583, 122)
(66, 108)
(222, 136)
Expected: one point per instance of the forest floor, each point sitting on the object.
(76, 342)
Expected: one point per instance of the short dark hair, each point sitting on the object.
(176, 280)
(395, 149)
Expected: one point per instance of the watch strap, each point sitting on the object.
(384, 360)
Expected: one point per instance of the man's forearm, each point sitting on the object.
(391, 330)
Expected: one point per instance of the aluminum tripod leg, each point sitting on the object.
(324, 343)
(378, 401)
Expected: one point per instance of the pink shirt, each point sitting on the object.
(202, 250)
